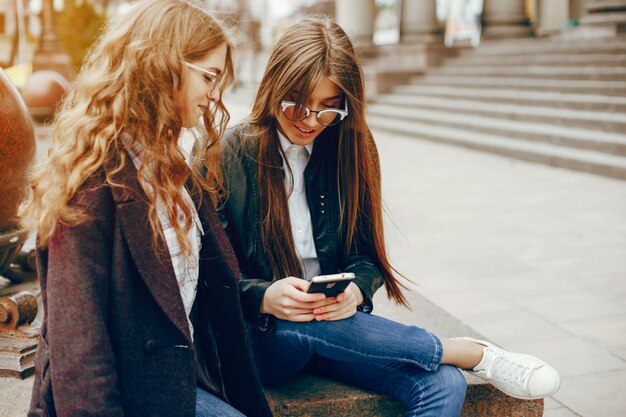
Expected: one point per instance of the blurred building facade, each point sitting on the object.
(547, 83)
(418, 24)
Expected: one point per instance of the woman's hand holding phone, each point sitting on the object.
(344, 307)
(287, 299)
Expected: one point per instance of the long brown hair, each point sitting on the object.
(307, 52)
(128, 85)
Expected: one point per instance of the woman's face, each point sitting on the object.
(325, 95)
(200, 85)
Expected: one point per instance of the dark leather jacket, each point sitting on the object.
(240, 216)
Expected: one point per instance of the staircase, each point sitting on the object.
(560, 102)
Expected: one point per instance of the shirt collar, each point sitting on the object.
(285, 143)
(186, 142)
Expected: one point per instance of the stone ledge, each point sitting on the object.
(382, 81)
(309, 396)
(391, 65)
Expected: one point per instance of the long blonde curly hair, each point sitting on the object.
(127, 88)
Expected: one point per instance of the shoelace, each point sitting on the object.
(514, 369)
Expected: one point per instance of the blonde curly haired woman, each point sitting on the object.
(139, 282)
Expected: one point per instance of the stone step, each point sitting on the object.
(609, 88)
(599, 141)
(595, 120)
(538, 71)
(533, 46)
(557, 59)
(614, 18)
(309, 395)
(599, 6)
(595, 102)
(549, 154)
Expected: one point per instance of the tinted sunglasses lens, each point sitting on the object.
(292, 113)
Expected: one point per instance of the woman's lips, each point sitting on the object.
(304, 132)
(203, 108)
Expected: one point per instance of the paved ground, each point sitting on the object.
(533, 257)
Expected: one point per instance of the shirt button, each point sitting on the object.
(149, 346)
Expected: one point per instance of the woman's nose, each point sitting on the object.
(311, 120)
(213, 95)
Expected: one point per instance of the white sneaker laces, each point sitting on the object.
(510, 368)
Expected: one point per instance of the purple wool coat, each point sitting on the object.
(115, 339)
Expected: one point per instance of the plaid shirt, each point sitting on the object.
(185, 267)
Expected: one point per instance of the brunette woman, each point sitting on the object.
(304, 199)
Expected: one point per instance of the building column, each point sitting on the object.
(505, 19)
(419, 23)
(551, 16)
(50, 54)
(356, 17)
(8, 13)
(576, 9)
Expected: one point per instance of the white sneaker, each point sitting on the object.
(519, 375)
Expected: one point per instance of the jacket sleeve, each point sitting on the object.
(369, 277)
(251, 290)
(236, 189)
(82, 362)
(251, 293)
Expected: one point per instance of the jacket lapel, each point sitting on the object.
(215, 245)
(154, 264)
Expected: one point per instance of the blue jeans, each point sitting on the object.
(208, 405)
(369, 352)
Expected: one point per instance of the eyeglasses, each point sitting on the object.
(326, 117)
(211, 78)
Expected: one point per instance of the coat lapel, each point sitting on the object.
(154, 264)
(215, 245)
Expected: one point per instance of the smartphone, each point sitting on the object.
(330, 285)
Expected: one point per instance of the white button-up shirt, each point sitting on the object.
(297, 158)
(186, 267)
